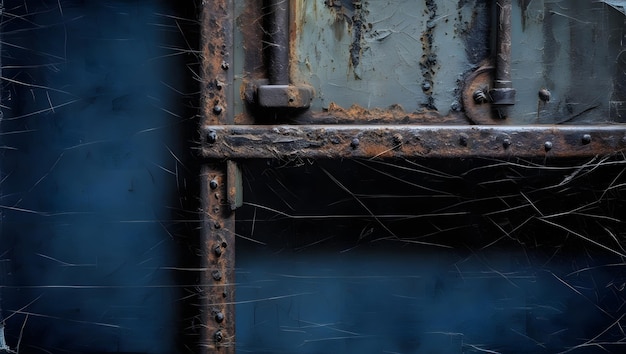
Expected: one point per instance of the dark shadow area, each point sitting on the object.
(445, 256)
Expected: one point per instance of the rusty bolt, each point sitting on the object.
(219, 317)
(211, 136)
(217, 275)
(586, 139)
(225, 65)
(218, 336)
(506, 143)
(463, 139)
(217, 109)
(426, 86)
(217, 250)
(355, 143)
(544, 95)
(480, 97)
(547, 145)
(213, 184)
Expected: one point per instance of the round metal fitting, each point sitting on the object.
(217, 250)
(355, 143)
(219, 317)
(547, 145)
(217, 275)
(544, 95)
(586, 139)
(506, 143)
(218, 336)
(211, 136)
(213, 184)
(463, 139)
(217, 109)
(480, 97)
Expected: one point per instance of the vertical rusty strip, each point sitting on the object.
(218, 224)
(218, 257)
(217, 61)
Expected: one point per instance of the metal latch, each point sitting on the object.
(277, 92)
(486, 96)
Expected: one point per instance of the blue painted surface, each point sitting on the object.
(91, 133)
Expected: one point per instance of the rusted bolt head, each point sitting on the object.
(217, 275)
(355, 143)
(218, 336)
(219, 317)
(480, 97)
(586, 139)
(217, 250)
(211, 136)
(463, 139)
(217, 109)
(213, 184)
(547, 145)
(506, 143)
(225, 65)
(426, 86)
(544, 95)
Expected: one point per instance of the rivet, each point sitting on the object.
(225, 65)
(217, 250)
(224, 244)
(547, 145)
(217, 226)
(217, 275)
(218, 336)
(355, 143)
(219, 317)
(506, 143)
(463, 138)
(426, 86)
(480, 97)
(213, 184)
(217, 109)
(586, 139)
(544, 95)
(211, 136)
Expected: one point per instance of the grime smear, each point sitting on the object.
(356, 53)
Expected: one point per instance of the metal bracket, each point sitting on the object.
(489, 90)
(276, 92)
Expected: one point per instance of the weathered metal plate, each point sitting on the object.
(402, 141)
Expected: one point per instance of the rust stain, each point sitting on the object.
(394, 114)
(216, 60)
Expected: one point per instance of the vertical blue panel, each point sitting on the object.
(91, 171)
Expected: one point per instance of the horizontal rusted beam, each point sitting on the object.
(404, 141)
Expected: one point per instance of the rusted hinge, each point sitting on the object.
(277, 92)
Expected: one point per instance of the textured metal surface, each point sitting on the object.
(503, 93)
(403, 141)
(218, 256)
(355, 53)
(218, 228)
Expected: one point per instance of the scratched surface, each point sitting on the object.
(415, 55)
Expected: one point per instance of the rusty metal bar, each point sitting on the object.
(407, 141)
(217, 243)
(503, 93)
(218, 262)
(277, 46)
